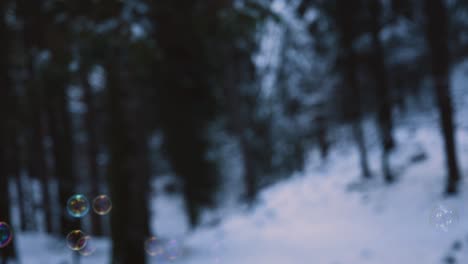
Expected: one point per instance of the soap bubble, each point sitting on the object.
(443, 218)
(78, 205)
(89, 246)
(102, 205)
(172, 249)
(154, 247)
(75, 240)
(6, 235)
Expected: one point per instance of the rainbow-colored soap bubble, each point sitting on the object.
(102, 205)
(78, 205)
(172, 249)
(6, 235)
(89, 246)
(76, 240)
(154, 247)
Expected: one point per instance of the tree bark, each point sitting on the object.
(345, 13)
(384, 112)
(437, 37)
(8, 253)
(127, 175)
(92, 146)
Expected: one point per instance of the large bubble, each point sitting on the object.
(102, 205)
(78, 205)
(6, 235)
(76, 240)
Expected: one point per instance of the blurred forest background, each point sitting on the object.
(104, 96)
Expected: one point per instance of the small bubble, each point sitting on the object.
(102, 205)
(78, 205)
(75, 240)
(89, 246)
(154, 247)
(6, 235)
(173, 249)
(443, 218)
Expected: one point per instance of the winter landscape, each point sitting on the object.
(234, 132)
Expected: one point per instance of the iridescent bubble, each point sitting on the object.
(154, 247)
(76, 240)
(102, 205)
(89, 246)
(78, 205)
(6, 235)
(443, 218)
(172, 249)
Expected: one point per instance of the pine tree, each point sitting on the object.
(437, 36)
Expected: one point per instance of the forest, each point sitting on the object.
(233, 131)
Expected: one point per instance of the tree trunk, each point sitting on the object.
(347, 31)
(32, 33)
(129, 218)
(437, 37)
(62, 148)
(384, 118)
(8, 253)
(92, 146)
(37, 148)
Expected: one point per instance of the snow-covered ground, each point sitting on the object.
(326, 215)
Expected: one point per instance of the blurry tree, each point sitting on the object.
(384, 111)
(30, 40)
(346, 24)
(437, 38)
(236, 46)
(184, 33)
(8, 253)
(128, 174)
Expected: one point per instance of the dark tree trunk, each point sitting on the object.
(185, 99)
(92, 146)
(129, 218)
(32, 35)
(347, 36)
(323, 141)
(384, 114)
(59, 123)
(37, 149)
(437, 37)
(8, 253)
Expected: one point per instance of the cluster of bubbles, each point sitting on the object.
(78, 205)
(443, 218)
(169, 250)
(6, 234)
